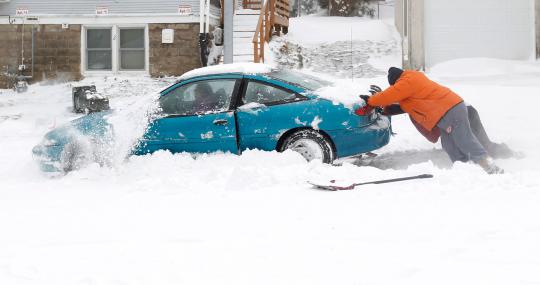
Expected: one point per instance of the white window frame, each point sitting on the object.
(115, 46)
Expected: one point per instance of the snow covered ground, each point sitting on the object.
(253, 219)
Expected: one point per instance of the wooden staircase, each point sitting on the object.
(254, 24)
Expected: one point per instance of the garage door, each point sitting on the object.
(479, 28)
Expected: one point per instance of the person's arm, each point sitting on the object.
(392, 110)
(393, 94)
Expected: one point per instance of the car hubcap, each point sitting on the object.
(309, 149)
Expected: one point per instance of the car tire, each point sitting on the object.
(311, 144)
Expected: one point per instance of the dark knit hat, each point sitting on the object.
(393, 74)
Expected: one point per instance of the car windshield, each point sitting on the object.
(300, 79)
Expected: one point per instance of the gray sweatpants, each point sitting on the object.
(457, 138)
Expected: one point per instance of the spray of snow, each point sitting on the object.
(129, 123)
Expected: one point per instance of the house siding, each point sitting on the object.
(83, 7)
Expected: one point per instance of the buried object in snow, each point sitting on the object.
(87, 99)
(333, 186)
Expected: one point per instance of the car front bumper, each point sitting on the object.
(48, 157)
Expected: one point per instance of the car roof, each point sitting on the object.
(233, 68)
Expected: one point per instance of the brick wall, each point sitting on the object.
(57, 51)
(176, 58)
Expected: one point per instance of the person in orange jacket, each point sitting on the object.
(436, 111)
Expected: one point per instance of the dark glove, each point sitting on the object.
(365, 98)
(392, 110)
(373, 89)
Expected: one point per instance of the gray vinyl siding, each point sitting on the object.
(85, 7)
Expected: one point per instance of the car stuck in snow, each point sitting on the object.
(229, 108)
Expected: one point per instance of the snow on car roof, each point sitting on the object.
(244, 67)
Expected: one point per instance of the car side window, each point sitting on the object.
(207, 96)
(258, 92)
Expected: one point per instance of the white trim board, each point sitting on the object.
(109, 19)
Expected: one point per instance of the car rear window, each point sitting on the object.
(299, 79)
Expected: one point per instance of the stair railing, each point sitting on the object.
(274, 15)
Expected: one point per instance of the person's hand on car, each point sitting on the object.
(365, 98)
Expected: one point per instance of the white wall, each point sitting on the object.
(480, 28)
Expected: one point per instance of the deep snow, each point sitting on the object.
(253, 219)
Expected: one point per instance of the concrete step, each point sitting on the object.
(247, 12)
(241, 18)
(243, 34)
(244, 16)
(242, 40)
(243, 58)
(249, 26)
(240, 51)
(246, 23)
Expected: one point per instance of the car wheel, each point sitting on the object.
(310, 144)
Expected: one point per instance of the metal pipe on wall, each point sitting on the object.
(228, 31)
(33, 41)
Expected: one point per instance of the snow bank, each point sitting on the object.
(314, 30)
(477, 67)
(244, 67)
(339, 46)
(226, 219)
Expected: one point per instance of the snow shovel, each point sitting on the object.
(334, 187)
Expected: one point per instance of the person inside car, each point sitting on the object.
(205, 99)
(437, 111)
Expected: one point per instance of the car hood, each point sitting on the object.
(93, 125)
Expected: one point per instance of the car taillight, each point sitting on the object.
(364, 111)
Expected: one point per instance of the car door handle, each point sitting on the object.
(220, 122)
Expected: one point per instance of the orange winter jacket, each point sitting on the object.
(424, 100)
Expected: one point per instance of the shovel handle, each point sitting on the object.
(422, 176)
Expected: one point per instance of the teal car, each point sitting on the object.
(231, 112)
